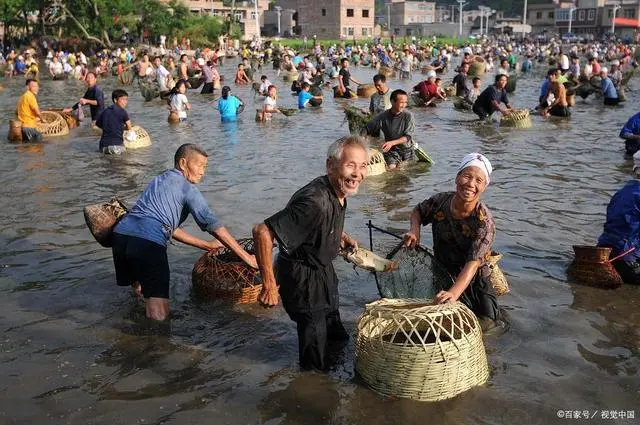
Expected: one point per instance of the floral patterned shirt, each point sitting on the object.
(455, 241)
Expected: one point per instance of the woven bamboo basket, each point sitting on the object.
(126, 78)
(450, 91)
(462, 104)
(52, 124)
(287, 112)
(149, 91)
(259, 115)
(425, 69)
(478, 67)
(376, 164)
(409, 348)
(519, 118)
(417, 100)
(142, 139)
(366, 90)
(102, 218)
(60, 77)
(15, 131)
(356, 118)
(72, 122)
(591, 266)
(196, 82)
(387, 72)
(497, 278)
(289, 76)
(220, 274)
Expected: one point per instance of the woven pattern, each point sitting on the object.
(102, 218)
(478, 67)
(387, 72)
(196, 82)
(511, 83)
(72, 122)
(518, 118)
(376, 164)
(412, 349)
(450, 90)
(142, 138)
(52, 124)
(366, 90)
(497, 278)
(591, 267)
(15, 131)
(149, 90)
(221, 274)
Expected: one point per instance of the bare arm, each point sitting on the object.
(263, 239)
(462, 281)
(412, 238)
(186, 238)
(223, 235)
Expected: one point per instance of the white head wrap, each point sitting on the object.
(604, 70)
(431, 74)
(478, 160)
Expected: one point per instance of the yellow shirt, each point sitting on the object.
(26, 110)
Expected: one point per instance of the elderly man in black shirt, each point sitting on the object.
(310, 233)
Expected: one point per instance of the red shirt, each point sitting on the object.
(427, 90)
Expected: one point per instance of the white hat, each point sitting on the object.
(615, 62)
(604, 70)
(431, 74)
(478, 160)
(201, 61)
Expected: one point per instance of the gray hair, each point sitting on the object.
(336, 149)
(186, 150)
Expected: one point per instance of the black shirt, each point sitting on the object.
(309, 231)
(94, 93)
(112, 121)
(346, 76)
(488, 95)
(460, 81)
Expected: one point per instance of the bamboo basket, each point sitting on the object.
(387, 72)
(417, 100)
(497, 278)
(591, 266)
(519, 118)
(409, 348)
(196, 82)
(220, 274)
(142, 139)
(60, 77)
(52, 124)
(72, 122)
(15, 131)
(450, 91)
(511, 83)
(425, 69)
(287, 112)
(356, 118)
(289, 76)
(126, 78)
(366, 90)
(102, 218)
(259, 115)
(149, 91)
(376, 165)
(478, 67)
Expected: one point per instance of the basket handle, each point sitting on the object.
(617, 257)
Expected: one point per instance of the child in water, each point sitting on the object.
(178, 102)
(270, 106)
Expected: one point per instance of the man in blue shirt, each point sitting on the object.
(608, 89)
(140, 238)
(92, 97)
(622, 228)
(544, 92)
(631, 134)
(113, 122)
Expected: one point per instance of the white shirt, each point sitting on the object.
(264, 86)
(564, 62)
(269, 103)
(178, 102)
(56, 68)
(161, 77)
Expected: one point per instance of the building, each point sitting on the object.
(628, 14)
(584, 17)
(542, 17)
(287, 22)
(412, 12)
(332, 19)
(244, 13)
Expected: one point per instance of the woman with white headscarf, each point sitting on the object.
(463, 231)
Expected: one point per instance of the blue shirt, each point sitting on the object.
(112, 121)
(544, 89)
(303, 98)
(608, 89)
(163, 206)
(632, 126)
(228, 108)
(526, 65)
(622, 228)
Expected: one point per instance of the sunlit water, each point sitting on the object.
(75, 348)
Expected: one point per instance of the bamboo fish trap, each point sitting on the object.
(376, 164)
(52, 124)
(497, 278)
(591, 266)
(220, 274)
(15, 131)
(102, 218)
(140, 138)
(126, 78)
(366, 90)
(478, 67)
(387, 72)
(409, 348)
(72, 122)
(518, 118)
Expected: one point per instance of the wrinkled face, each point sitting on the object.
(193, 167)
(347, 173)
(381, 87)
(470, 184)
(399, 104)
(502, 82)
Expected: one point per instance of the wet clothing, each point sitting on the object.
(228, 108)
(93, 93)
(303, 98)
(26, 110)
(609, 92)
(559, 111)
(309, 232)
(632, 127)
(483, 106)
(112, 121)
(31, 135)
(460, 82)
(140, 260)
(458, 241)
(163, 206)
(380, 102)
(426, 90)
(394, 127)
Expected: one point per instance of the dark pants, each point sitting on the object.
(480, 112)
(560, 111)
(631, 146)
(207, 88)
(31, 135)
(317, 331)
(629, 272)
(611, 101)
(480, 297)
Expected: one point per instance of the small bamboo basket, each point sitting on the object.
(287, 112)
(387, 72)
(366, 90)
(196, 82)
(496, 277)
(52, 124)
(15, 131)
(409, 348)
(450, 91)
(519, 118)
(376, 165)
(142, 138)
(591, 266)
(102, 218)
(425, 69)
(220, 274)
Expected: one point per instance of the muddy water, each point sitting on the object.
(75, 348)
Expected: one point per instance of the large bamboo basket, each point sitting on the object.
(196, 82)
(52, 124)
(497, 278)
(387, 72)
(409, 348)
(591, 266)
(376, 165)
(366, 90)
(102, 218)
(72, 122)
(126, 78)
(142, 139)
(220, 274)
(519, 118)
(450, 91)
(15, 131)
(478, 67)
(425, 69)
(149, 91)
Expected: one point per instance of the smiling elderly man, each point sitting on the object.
(309, 232)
